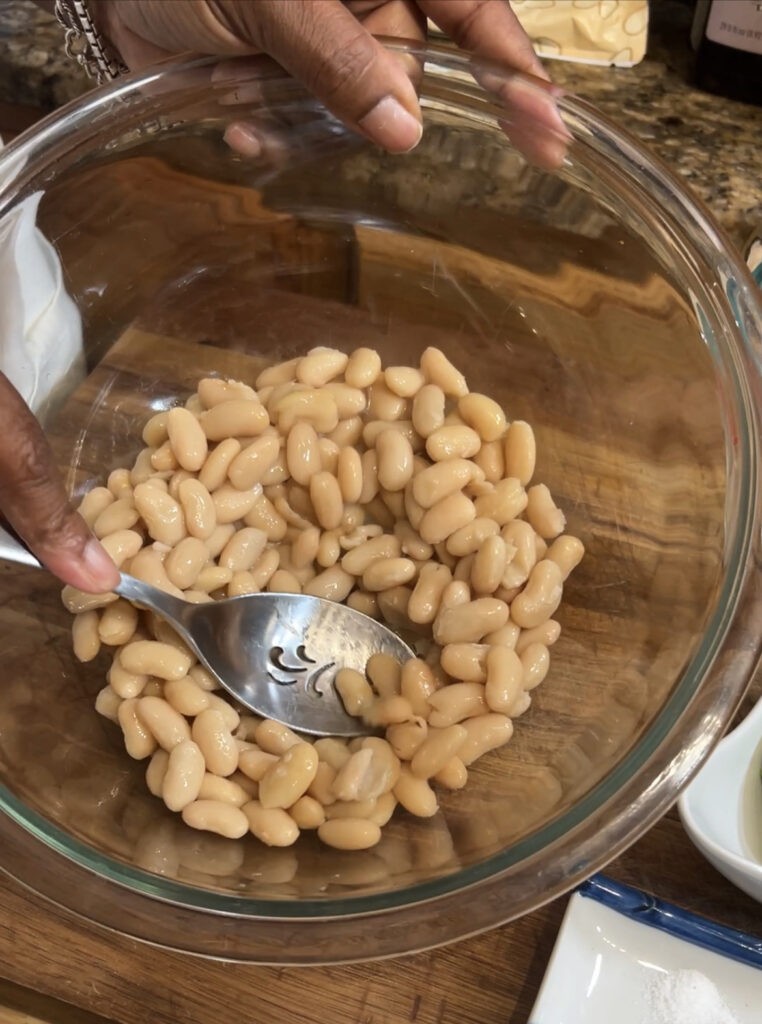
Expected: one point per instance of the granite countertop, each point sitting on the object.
(713, 143)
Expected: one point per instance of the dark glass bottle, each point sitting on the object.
(729, 55)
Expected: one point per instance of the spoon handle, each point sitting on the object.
(169, 607)
(159, 601)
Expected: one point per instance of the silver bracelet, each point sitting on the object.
(85, 44)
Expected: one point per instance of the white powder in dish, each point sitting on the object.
(686, 997)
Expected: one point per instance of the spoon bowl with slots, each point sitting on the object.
(276, 654)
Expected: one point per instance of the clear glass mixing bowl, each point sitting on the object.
(599, 302)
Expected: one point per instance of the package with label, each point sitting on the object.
(608, 32)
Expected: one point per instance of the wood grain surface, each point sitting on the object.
(488, 979)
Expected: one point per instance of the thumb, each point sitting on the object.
(34, 501)
(324, 45)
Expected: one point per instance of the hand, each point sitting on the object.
(33, 501)
(329, 46)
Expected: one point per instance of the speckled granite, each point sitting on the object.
(712, 142)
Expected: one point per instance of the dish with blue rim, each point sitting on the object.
(619, 950)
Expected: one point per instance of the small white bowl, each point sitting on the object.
(721, 809)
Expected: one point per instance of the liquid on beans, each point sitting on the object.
(397, 491)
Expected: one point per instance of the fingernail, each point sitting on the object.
(392, 126)
(243, 139)
(102, 572)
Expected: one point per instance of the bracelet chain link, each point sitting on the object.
(85, 44)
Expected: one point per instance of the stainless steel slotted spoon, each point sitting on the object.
(276, 654)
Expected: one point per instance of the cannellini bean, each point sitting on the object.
(255, 763)
(250, 465)
(415, 795)
(187, 438)
(215, 470)
(426, 598)
(164, 723)
(467, 662)
(456, 703)
(280, 373)
(156, 771)
(312, 405)
(469, 538)
(355, 691)
(150, 657)
(327, 500)
(385, 673)
(483, 414)
(243, 550)
(274, 737)
(406, 737)
(567, 553)
(186, 696)
(363, 368)
(125, 684)
(307, 813)
(384, 573)
(139, 741)
(349, 474)
(485, 733)
(417, 684)
(217, 816)
(214, 390)
(117, 624)
(542, 512)
(160, 512)
(489, 565)
(198, 509)
(230, 504)
(504, 503)
(333, 584)
(521, 537)
(264, 516)
(452, 442)
(235, 418)
(119, 515)
(448, 515)
(94, 503)
(290, 777)
(428, 412)
(122, 545)
(405, 381)
(213, 736)
(520, 451)
(320, 366)
(272, 826)
(547, 633)
(185, 561)
(85, 635)
(535, 661)
(436, 482)
(437, 369)
(436, 750)
(504, 683)
(229, 791)
(183, 777)
(490, 461)
(540, 597)
(303, 452)
(470, 623)
(107, 703)
(395, 460)
(453, 775)
(349, 833)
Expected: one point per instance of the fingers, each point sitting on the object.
(488, 28)
(35, 504)
(324, 45)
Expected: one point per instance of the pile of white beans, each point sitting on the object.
(397, 491)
